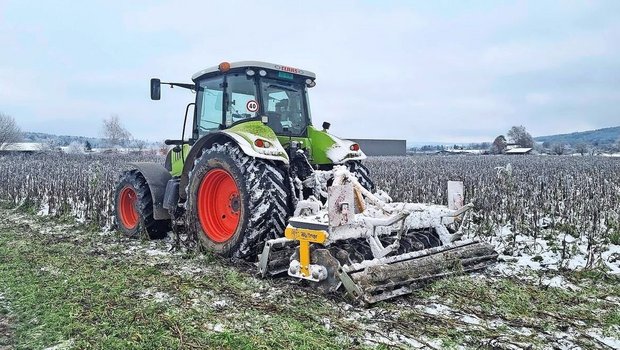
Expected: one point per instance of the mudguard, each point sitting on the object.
(244, 135)
(156, 177)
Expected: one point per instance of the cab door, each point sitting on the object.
(209, 115)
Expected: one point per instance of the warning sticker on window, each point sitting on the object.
(252, 106)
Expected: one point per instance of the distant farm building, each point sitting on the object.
(21, 147)
(376, 147)
(519, 150)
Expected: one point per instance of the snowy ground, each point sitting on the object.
(526, 300)
(521, 255)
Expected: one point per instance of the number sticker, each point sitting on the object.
(252, 106)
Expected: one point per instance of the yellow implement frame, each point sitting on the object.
(305, 237)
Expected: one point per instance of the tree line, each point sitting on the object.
(112, 131)
(518, 136)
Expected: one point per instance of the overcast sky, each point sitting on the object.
(453, 71)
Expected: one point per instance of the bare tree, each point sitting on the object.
(75, 147)
(114, 132)
(163, 148)
(499, 145)
(520, 136)
(9, 131)
(581, 148)
(558, 149)
(140, 145)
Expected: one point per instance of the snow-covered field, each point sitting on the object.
(544, 212)
(554, 220)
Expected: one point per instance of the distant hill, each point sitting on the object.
(599, 137)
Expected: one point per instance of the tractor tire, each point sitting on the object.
(235, 202)
(133, 208)
(362, 174)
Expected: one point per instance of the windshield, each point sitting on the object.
(285, 107)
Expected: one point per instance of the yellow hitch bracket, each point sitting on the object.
(305, 237)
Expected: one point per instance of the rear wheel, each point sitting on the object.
(362, 174)
(134, 208)
(236, 202)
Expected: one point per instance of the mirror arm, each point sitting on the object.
(182, 85)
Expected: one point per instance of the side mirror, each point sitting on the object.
(326, 126)
(155, 89)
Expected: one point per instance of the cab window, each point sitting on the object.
(209, 105)
(241, 98)
(284, 107)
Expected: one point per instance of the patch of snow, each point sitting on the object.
(613, 343)
(191, 270)
(131, 249)
(44, 209)
(67, 344)
(218, 327)
(576, 262)
(157, 296)
(611, 257)
(436, 309)
(558, 282)
(218, 304)
(160, 297)
(520, 254)
(154, 252)
(51, 270)
(470, 319)
(326, 323)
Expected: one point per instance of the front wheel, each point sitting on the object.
(236, 202)
(133, 207)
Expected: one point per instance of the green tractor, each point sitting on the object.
(252, 154)
(257, 181)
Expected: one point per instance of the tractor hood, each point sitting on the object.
(258, 140)
(329, 149)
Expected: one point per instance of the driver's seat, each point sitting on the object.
(275, 122)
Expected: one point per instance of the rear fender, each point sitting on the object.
(156, 177)
(242, 135)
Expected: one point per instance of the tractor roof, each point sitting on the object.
(256, 64)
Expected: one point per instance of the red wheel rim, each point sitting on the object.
(219, 205)
(128, 213)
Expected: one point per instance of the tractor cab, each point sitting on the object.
(263, 107)
(229, 94)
